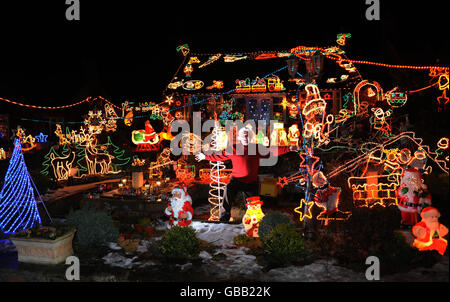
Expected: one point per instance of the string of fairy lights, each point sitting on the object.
(299, 51)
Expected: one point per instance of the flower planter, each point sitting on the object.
(44, 251)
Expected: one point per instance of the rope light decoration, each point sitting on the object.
(18, 205)
(217, 177)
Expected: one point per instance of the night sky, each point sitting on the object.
(125, 50)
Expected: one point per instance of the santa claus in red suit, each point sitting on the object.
(412, 195)
(180, 209)
(327, 198)
(429, 232)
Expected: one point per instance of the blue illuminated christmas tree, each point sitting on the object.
(18, 205)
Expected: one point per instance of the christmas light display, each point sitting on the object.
(429, 232)
(18, 204)
(217, 184)
(27, 141)
(252, 216)
(304, 207)
(61, 165)
(41, 138)
(2, 154)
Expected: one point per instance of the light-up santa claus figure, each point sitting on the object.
(412, 195)
(429, 232)
(327, 198)
(150, 133)
(252, 216)
(294, 134)
(180, 209)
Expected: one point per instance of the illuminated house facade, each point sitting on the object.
(255, 85)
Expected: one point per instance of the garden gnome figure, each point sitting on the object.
(252, 216)
(429, 232)
(180, 209)
(412, 196)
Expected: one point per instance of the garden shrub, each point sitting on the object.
(270, 220)
(179, 243)
(94, 227)
(283, 245)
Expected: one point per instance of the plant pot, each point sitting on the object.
(44, 251)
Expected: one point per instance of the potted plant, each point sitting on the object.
(44, 245)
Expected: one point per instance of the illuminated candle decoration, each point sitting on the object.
(429, 232)
(18, 203)
(253, 216)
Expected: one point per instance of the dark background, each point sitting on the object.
(127, 49)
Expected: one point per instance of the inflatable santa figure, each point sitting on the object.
(252, 216)
(429, 232)
(180, 209)
(412, 195)
(327, 198)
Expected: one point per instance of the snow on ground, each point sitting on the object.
(234, 263)
(220, 234)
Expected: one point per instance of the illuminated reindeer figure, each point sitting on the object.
(96, 159)
(62, 165)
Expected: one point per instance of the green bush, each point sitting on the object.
(270, 221)
(283, 245)
(94, 227)
(179, 243)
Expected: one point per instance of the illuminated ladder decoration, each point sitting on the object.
(217, 183)
(18, 206)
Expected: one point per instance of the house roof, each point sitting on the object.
(207, 69)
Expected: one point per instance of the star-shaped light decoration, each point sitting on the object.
(41, 138)
(312, 161)
(282, 181)
(300, 209)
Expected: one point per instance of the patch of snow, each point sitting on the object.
(220, 234)
(113, 246)
(205, 255)
(185, 266)
(117, 260)
(319, 271)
